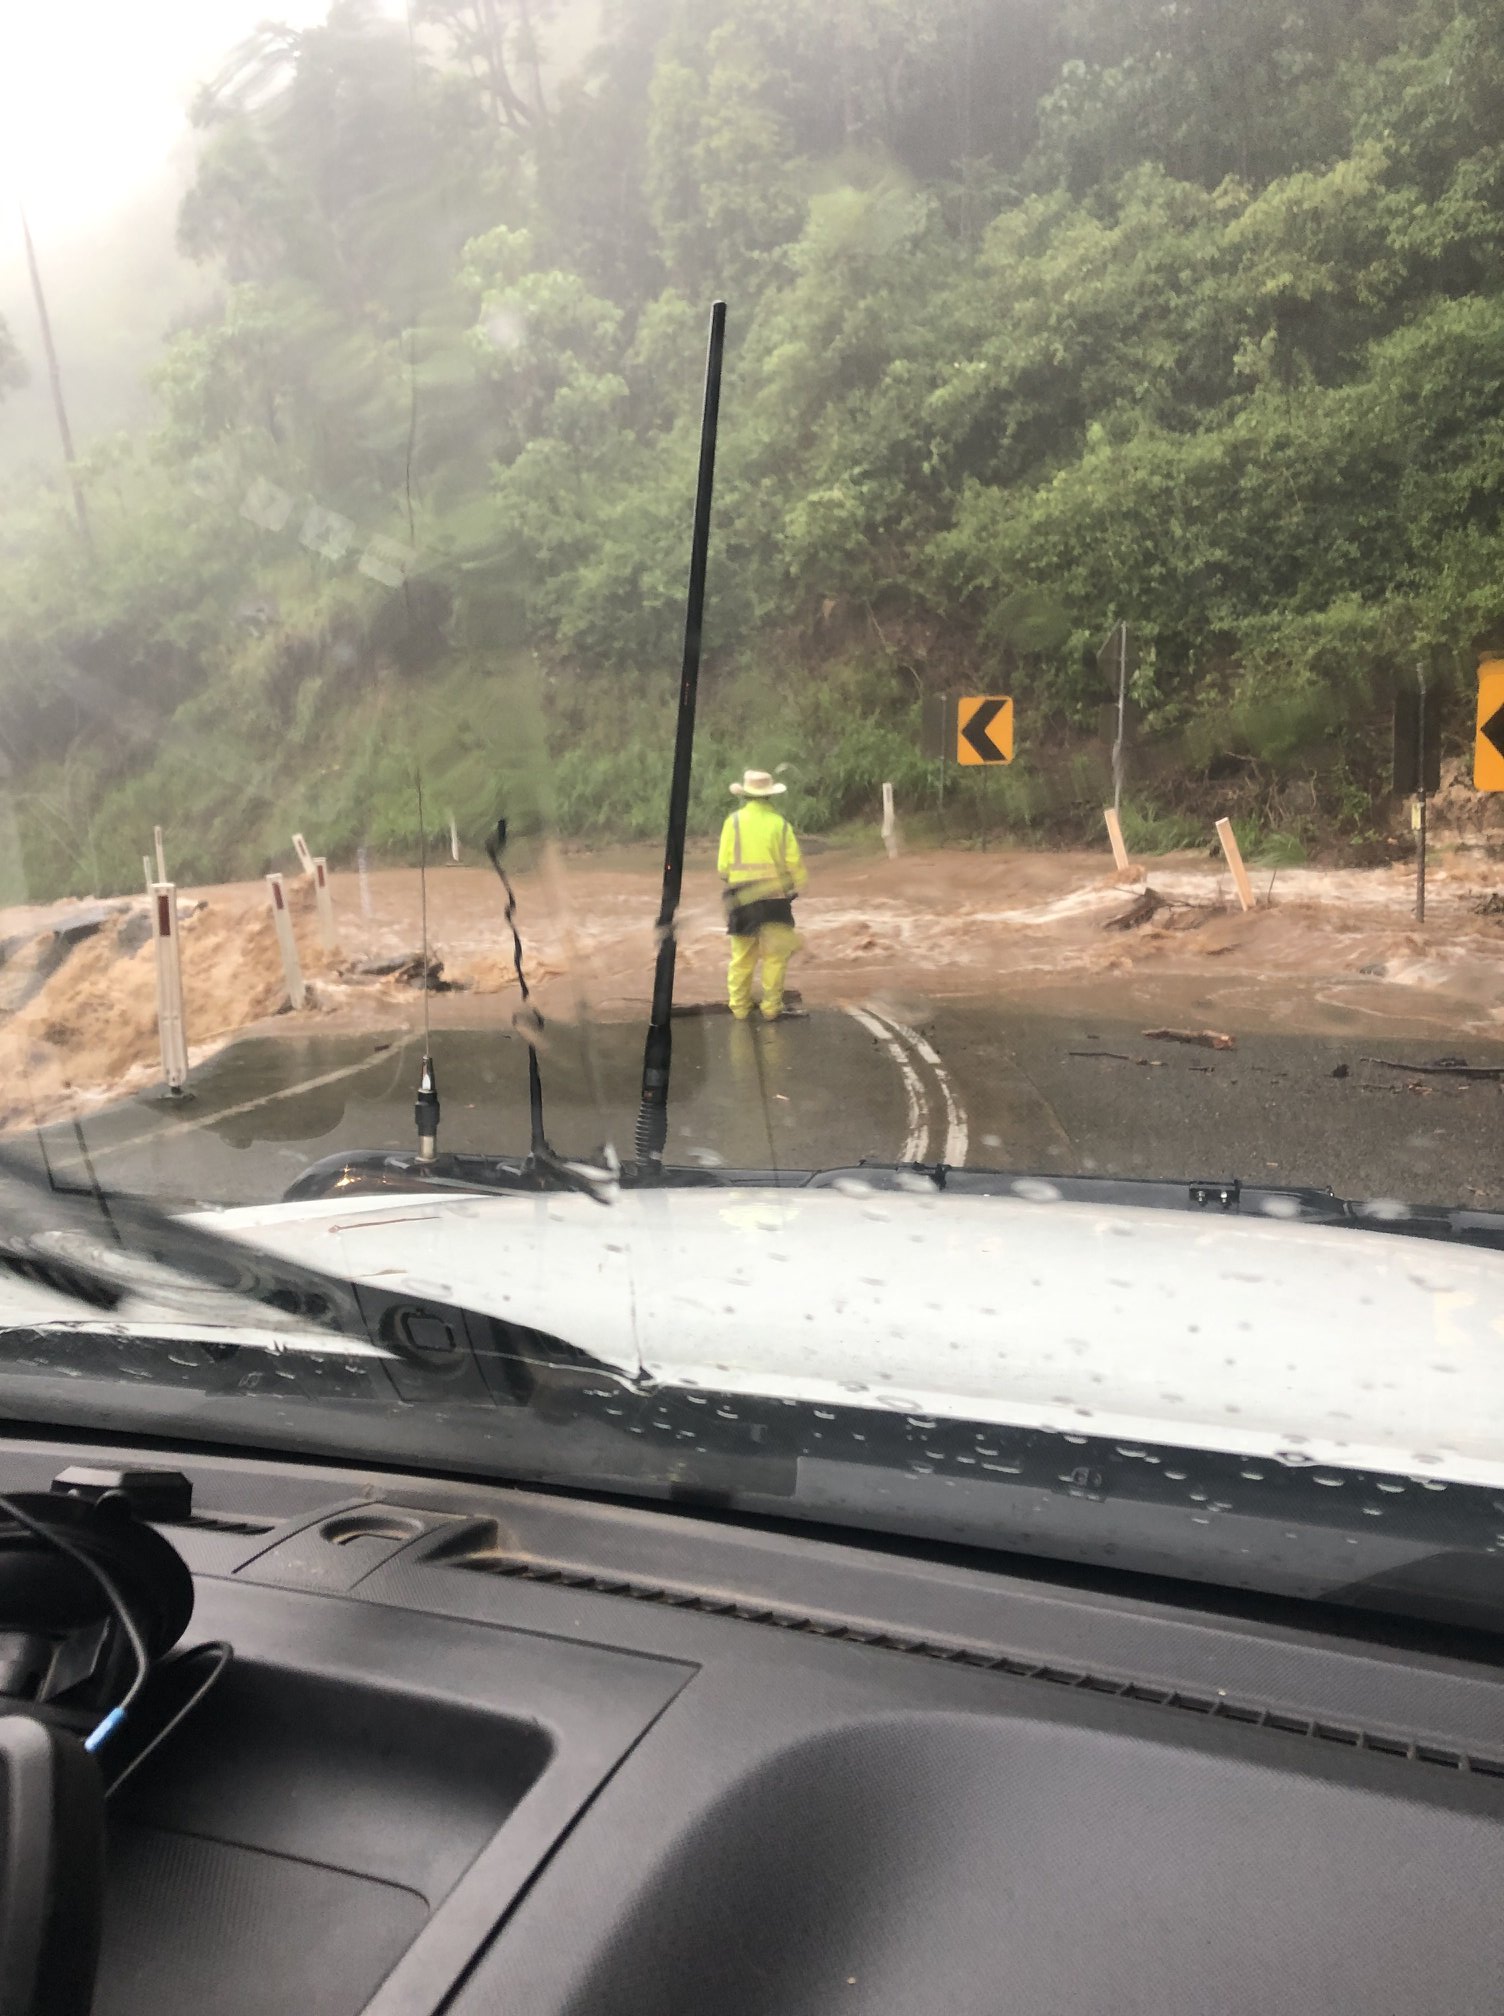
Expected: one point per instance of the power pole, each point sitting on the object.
(55, 378)
(1117, 747)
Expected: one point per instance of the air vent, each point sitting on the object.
(1213, 1707)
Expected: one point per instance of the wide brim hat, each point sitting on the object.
(758, 784)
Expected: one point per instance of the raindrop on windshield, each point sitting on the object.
(1281, 1207)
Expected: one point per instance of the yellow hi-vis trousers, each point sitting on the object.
(774, 945)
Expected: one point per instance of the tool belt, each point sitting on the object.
(745, 920)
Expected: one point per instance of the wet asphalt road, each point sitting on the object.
(1008, 1088)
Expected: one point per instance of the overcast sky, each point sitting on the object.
(93, 95)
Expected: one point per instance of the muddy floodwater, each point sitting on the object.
(1325, 954)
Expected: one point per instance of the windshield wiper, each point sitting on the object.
(366, 1171)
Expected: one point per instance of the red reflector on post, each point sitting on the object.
(277, 895)
(164, 916)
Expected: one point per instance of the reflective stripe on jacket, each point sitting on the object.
(759, 854)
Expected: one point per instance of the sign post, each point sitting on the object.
(325, 903)
(170, 1029)
(984, 734)
(1420, 794)
(305, 859)
(291, 965)
(1417, 769)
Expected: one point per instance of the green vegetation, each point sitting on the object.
(1042, 317)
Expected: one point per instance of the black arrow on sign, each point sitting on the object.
(976, 728)
(1492, 729)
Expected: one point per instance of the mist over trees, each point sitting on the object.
(1044, 314)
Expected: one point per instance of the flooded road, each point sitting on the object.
(991, 1087)
(991, 1010)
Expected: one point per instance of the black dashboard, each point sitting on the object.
(486, 1750)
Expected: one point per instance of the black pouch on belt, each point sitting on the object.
(745, 920)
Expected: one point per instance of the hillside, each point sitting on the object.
(1042, 318)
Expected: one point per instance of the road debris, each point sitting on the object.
(408, 969)
(1138, 912)
(1441, 1067)
(1205, 1039)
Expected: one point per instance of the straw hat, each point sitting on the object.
(758, 784)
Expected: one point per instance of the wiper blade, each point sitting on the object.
(368, 1171)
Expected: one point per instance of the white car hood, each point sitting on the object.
(1298, 1343)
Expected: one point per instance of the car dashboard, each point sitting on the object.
(484, 1749)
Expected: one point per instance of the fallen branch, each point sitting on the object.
(1206, 1039)
(1444, 1068)
(1138, 912)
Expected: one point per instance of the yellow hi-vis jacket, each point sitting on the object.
(759, 855)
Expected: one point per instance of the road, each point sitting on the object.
(1022, 1088)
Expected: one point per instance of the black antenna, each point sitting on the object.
(657, 1054)
(527, 1018)
(426, 1105)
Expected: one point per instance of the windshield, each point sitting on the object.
(806, 701)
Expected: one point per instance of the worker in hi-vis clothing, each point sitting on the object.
(763, 871)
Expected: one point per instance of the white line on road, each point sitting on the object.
(957, 1137)
(917, 1141)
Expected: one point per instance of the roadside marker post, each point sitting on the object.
(305, 859)
(170, 1029)
(282, 919)
(146, 875)
(325, 898)
(890, 823)
(1115, 835)
(454, 839)
(362, 869)
(156, 834)
(1234, 856)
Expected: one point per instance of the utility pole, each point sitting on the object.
(55, 379)
(1117, 747)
